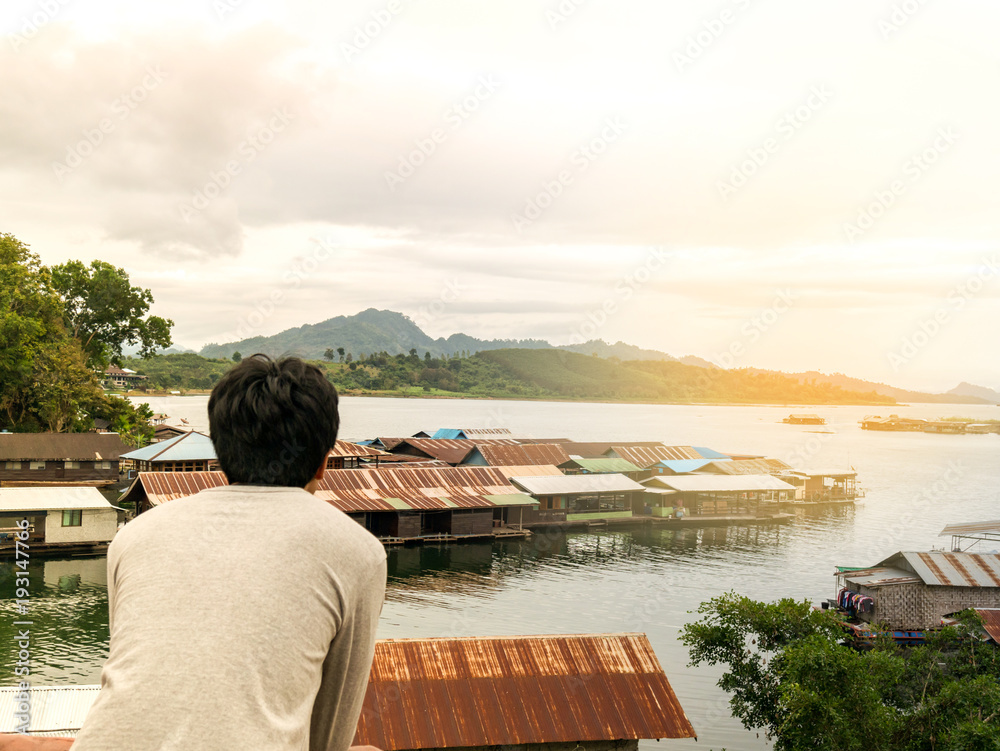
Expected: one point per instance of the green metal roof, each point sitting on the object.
(512, 499)
(398, 503)
(610, 465)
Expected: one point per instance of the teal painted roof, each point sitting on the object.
(188, 447)
(683, 466)
(710, 453)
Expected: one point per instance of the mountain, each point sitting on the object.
(900, 395)
(372, 331)
(968, 389)
(621, 350)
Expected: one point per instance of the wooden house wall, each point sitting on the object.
(918, 606)
(55, 472)
(473, 522)
(541, 516)
(406, 525)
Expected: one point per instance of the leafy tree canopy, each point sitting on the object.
(789, 673)
(105, 312)
(47, 377)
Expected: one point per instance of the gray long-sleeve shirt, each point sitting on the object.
(242, 617)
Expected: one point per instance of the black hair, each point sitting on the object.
(273, 421)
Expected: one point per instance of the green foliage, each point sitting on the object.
(105, 312)
(30, 320)
(64, 388)
(131, 422)
(237, 357)
(789, 674)
(181, 371)
(47, 377)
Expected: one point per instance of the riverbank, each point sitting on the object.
(463, 396)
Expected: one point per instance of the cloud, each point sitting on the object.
(139, 126)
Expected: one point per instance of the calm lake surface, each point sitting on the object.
(638, 580)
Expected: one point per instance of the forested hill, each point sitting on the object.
(533, 373)
(372, 331)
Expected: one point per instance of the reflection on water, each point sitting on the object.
(68, 611)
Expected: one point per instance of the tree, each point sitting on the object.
(328, 355)
(790, 674)
(104, 312)
(237, 357)
(340, 352)
(30, 318)
(64, 387)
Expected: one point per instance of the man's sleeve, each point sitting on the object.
(346, 668)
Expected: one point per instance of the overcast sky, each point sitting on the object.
(769, 183)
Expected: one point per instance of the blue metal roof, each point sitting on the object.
(710, 453)
(449, 433)
(682, 466)
(187, 447)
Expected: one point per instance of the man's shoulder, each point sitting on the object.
(299, 514)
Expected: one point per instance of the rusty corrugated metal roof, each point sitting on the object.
(747, 466)
(61, 446)
(502, 455)
(490, 691)
(597, 449)
(939, 568)
(647, 456)
(991, 622)
(346, 449)
(358, 489)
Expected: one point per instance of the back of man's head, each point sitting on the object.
(273, 421)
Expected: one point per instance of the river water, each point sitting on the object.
(637, 580)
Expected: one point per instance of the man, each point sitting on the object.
(244, 617)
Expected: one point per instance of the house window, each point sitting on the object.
(72, 518)
(71, 465)
(36, 465)
(12, 465)
(102, 465)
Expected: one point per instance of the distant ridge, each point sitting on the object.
(372, 331)
(900, 395)
(969, 389)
